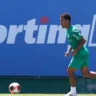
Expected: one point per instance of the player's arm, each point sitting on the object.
(81, 43)
(70, 49)
(68, 52)
(81, 40)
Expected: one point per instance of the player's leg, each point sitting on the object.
(71, 75)
(74, 64)
(86, 73)
(72, 79)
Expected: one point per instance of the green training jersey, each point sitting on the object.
(74, 37)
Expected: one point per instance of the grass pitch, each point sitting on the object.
(44, 95)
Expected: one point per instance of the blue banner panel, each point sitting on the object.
(32, 42)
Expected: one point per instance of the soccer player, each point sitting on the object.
(79, 54)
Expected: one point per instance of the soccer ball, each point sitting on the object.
(14, 88)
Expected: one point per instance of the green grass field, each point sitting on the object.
(44, 95)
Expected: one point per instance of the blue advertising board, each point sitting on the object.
(32, 42)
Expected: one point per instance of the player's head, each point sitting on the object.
(65, 20)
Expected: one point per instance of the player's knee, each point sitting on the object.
(85, 74)
(70, 72)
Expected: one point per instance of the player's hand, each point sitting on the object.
(74, 52)
(67, 53)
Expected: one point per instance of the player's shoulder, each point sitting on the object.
(75, 29)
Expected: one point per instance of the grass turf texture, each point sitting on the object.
(44, 95)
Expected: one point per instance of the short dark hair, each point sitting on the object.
(66, 16)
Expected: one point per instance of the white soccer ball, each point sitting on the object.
(14, 88)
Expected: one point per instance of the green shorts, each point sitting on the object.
(79, 62)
